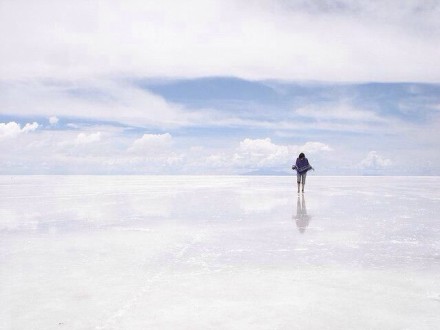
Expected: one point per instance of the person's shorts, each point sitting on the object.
(301, 177)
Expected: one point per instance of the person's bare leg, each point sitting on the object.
(303, 184)
(299, 184)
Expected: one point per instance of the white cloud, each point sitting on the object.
(84, 138)
(99, 150)
(374, 161)
(12, 129)
(155, 153)
(307, 40)
(152, 143)
(260, 153)
(30, 127)
(315, 147)
(53, 120)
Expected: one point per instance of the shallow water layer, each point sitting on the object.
(187, 252)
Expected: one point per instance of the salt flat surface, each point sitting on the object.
(145, 252)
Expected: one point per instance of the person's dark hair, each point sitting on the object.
(301, 155)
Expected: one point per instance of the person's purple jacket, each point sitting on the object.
(302, 165)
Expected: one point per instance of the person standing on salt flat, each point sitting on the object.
(301, 166)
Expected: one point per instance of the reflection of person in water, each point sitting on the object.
(302, 219)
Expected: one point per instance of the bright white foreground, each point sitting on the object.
(219, 253)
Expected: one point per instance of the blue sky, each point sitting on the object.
(219, 87)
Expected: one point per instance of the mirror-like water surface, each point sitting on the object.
(153, 252)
